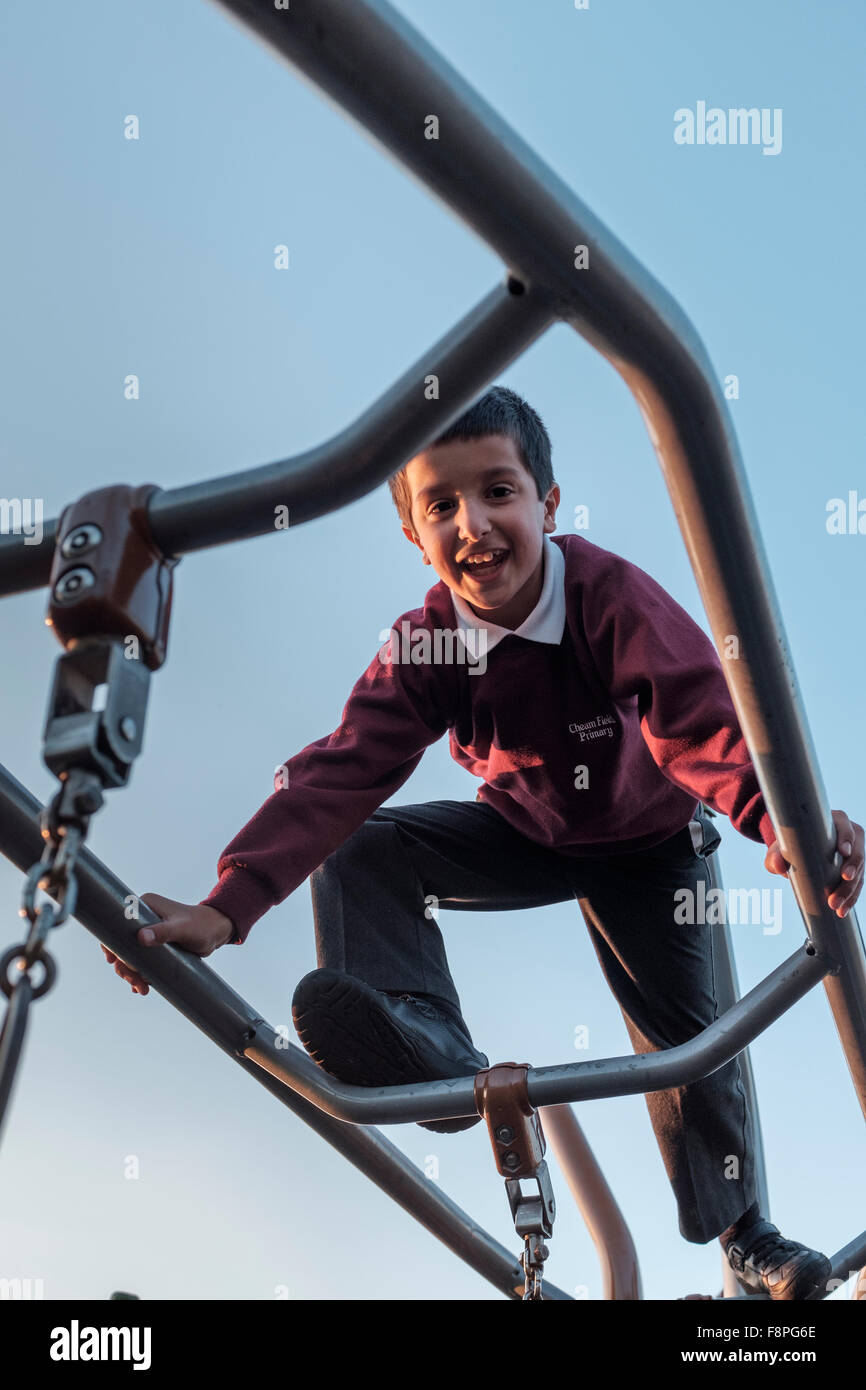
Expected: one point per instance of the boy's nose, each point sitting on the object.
(472, 523)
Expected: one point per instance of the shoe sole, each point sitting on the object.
(805, 1282)
(345, 1030)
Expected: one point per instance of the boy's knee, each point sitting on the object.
(360, 846)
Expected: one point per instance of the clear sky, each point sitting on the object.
(156, 257)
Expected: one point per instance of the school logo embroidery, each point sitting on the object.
(602, 726)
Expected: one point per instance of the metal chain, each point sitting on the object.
(535, 1252)
(64, 827)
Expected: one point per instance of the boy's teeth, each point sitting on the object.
(481, 559)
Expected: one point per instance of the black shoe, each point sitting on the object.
(368, 1038)
(766, 1263)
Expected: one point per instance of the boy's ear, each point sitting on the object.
(551, 502)
(410, 536)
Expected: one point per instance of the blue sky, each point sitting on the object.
(156, 257)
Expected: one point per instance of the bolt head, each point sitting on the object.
(73, 584)
(505, 1134)
(79, 541)
(512, 1160)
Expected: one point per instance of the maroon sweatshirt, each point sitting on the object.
(600, 742)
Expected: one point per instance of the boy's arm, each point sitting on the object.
(331, 787)
(646, 646)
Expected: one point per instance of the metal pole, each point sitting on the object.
(571, 1081)
(200, 995)
(417, 407)
(605, 1222)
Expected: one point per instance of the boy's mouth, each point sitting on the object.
(485, 563)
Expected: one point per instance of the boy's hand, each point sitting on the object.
(849, 843)
(197, 928)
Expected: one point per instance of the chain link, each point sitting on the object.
(535, 1252)
(54, 874)
(64, 824)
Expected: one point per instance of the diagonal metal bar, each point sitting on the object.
(344, 468)
(200, 995)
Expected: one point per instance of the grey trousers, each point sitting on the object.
(374, 905)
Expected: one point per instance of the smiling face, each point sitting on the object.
(473, 497)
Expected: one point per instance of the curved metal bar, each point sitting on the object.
(608, 1229)
(572, 1081)
(222, 1015)
(349, 465)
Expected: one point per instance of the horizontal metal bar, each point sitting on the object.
(222, 1015)
(348, 466)
(554, 1085)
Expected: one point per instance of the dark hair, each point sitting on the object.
(498, 411)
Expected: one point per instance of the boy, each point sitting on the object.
(596, 713)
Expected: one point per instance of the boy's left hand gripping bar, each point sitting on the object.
(109, 605)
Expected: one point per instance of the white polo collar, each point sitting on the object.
(545, 623)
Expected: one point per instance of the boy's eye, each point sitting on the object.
(445, 502)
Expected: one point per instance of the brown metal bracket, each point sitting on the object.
(502, 1097)
(108, 578)
(109, 605)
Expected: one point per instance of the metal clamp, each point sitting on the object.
(514, 1126)
(110, 604)
(108, 577)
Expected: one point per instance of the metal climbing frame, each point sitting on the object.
(562, 265)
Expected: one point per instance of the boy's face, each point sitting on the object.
(473, 496)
